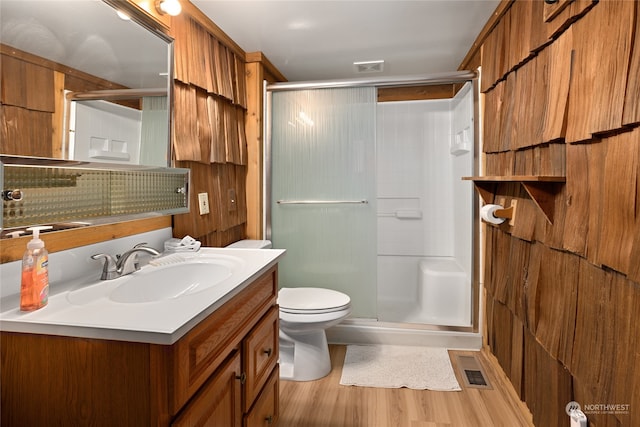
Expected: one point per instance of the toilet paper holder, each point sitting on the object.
(506, 213)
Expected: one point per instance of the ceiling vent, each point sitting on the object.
(369, 66)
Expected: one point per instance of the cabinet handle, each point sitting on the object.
(242, 377)
(269, 419)
(268, 352)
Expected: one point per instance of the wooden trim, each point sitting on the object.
(266, 64)
(501, 9)
(151, 15)
(415, 93)
(58, 117)
(255, 144)
(55, 66)
(13, 249)
(513, 178)
(258, 69)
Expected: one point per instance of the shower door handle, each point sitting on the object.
(322, 202)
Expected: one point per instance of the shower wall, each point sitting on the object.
(424, 208)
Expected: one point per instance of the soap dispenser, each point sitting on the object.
(34, 288)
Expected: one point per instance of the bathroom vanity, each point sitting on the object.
(218, 368)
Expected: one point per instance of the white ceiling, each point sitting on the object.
(321, 39)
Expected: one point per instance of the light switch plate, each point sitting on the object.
(203, 203)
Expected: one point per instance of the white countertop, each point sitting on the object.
(95, 315)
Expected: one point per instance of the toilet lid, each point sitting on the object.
(311, 300)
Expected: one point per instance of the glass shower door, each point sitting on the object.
(323, 196)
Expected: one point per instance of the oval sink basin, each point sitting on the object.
(158, 283)
(161, 282)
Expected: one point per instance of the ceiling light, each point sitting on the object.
(123, 16)
(169, 7)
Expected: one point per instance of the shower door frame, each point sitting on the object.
(422, 80)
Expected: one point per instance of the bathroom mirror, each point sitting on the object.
(123, 117)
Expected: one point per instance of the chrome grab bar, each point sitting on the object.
(321, 202)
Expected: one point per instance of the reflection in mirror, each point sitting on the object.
(85, 84)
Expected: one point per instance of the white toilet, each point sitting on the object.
(305, 314)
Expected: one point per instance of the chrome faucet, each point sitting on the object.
(123, 264)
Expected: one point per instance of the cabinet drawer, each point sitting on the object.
(218, 402)
(260, 352)
(266, 410)
(199, 353)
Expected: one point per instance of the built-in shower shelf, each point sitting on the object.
(541, 188)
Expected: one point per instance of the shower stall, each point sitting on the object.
(367, 198)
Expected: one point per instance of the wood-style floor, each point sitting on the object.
(326, 403)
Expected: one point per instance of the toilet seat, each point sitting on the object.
(312, 301)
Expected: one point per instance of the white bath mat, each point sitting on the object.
(388, 366)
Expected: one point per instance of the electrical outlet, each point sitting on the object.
(203, 203)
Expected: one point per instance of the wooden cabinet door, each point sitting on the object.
(199, 353)
(260, 355)
(219, 402)
(266, 409)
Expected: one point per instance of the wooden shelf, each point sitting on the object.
(541, 189)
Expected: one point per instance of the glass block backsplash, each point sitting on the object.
(53, 194)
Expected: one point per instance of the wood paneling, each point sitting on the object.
(494, 54)
(27, 85)
(597, 93)
(631, 114)
(216, 180)
(475, 51)
(547, 385)
(620, 218)
(573, 284)
(555, 302)
(209, 126)
(18, 139)
(577, 206)
(559, 59)
(185, 144)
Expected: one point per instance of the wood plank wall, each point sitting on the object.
(209, 131)
(31, 99)
(561, 88)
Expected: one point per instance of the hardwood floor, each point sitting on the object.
(326, 403)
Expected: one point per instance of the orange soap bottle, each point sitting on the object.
(34, 288)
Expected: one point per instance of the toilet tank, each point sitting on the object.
(251, 244)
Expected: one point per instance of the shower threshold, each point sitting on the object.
(371, 331)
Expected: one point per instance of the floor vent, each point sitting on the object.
(472, 373)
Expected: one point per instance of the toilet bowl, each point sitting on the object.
(305, 314)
